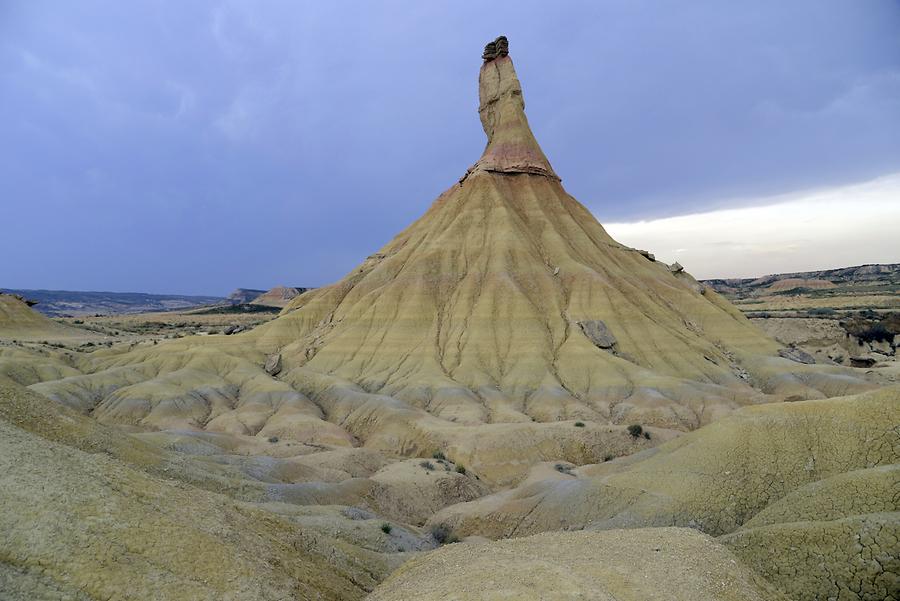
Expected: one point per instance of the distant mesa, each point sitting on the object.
(809, 280)
(279, 296)
(75, 303)
(242, 296)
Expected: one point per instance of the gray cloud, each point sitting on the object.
(195, 147)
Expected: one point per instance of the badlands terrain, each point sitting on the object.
(503, 402)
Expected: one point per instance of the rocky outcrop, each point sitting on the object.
(278, 296)
(273, 364)
(798, 355)
(598, 333)
(511, 147)
(241, 296)
(496, 49)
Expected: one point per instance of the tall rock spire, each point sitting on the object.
(502, 311)
(511, 146)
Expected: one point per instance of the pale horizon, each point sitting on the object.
(821, 228)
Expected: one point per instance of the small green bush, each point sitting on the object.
(646, 435)
(635, 430)
(461, 469)
(386, 528)
(439, 455)
(579, 424)
(273, 439)
(427, 465)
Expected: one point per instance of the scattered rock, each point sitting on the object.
(798, 355)
(862, 361)
(273, 364)
(740, 372)
(355, 513)
(647, 254)
(598, 333)
(676, 267)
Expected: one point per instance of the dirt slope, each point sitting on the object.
(18, 321)
(659, 564)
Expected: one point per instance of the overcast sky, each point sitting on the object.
(194, 147)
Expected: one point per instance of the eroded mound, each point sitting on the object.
(73, 521)
(18, 321)
(807, 488)
(671, 564)
(715, 479)
(69, 486)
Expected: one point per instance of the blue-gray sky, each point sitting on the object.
(193, 147)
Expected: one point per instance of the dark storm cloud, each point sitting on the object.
(199, 146)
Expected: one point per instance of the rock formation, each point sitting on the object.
(496, 49)
(487, 373)
(242, 296)
(472, 317)
(279, 296)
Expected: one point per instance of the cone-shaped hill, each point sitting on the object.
(506, 306)
(508, 301)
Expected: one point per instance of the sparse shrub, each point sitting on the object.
(635, 430)
(579, 424)
(386, 528)
(820, 311)
(427, 465)
(443, 535)
(273, 439)
(876, 333)
(461, 469)
(562, 468)
(608, 458)
(439, 455)
(646, 435)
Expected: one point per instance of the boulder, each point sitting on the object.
(273, 364)
(597, 332)
(798, 355)
(862, 361)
